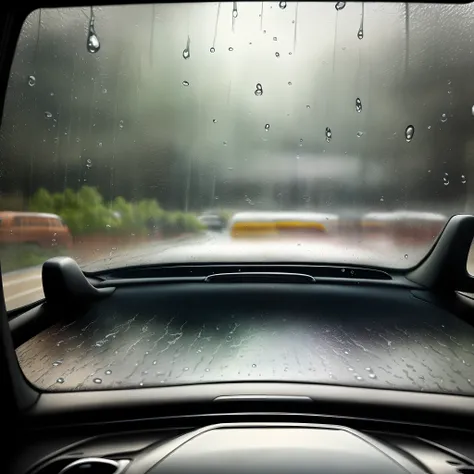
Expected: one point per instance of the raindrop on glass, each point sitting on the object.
(372, 376)
(409, 132)
(290, 83)
(185, 83)
(360, 33)
(463, 179)
(277, 54)
(267, 127)
(359, 134)
(48, 115)
(214, 120)
(358, 105)
(121, 124)
(31, 81)
(275, 38)
(57, 362)
(93, 43)
(444, 118)
(282, 5)
(89, 163)
(187, 49)
(340, 5)
(258, 89)
(381, 199)
(235, 12)
(308, 106)
(212, 50)
(328, 134)
(60, 380)
(104, 91)
(446, 179)
(254, 365)
(108, 372)
(97, 380)
(405, 256)
(472, 109)
(231, 48)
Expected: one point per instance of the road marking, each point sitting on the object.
(24, 293)
(17, 281)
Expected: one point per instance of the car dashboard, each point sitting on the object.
(269, 368)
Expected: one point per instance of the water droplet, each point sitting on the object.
(290, 83)
(409, 132)
(328, 134)
(372, 376)
(100, 144)
(57, 362)
(97, 380)
(186, 368)
(235, 12)
(48, 115)
(277, 54)
(258, 89)
(381, 199)
(429, 127)
(275, 38)
(446, 179)
(254, 365)
(340, 5)
(267, 127)
(60, 380)
(93, 43)
(31, 81)
(214, 120)
(185, 83)
(231, 48)
(444, 118)
(212, 50)
(358, 377)
(359, 134)
(472, 109)
(463, 179)
(308, 106)
(282, 5)
(405, 256)
(89, 163)
(360, 33)
(358, 105)
(121, 124)
(108, 372)
(104, 91)
(187, 49)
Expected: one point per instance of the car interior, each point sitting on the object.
(407, 335)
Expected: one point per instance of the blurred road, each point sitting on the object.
(24, 286)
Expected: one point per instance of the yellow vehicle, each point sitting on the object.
(249, 225)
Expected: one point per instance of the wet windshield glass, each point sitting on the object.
(234, 131)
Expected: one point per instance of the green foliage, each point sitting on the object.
(85, 212)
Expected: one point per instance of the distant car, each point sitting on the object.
(43, 230)
(281, 224)
(212, 222)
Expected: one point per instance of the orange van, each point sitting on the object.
(43, 230)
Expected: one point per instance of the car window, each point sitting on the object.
(340, 131)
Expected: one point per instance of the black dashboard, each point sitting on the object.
(252, 446)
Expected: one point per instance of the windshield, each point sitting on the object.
(234, 131)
